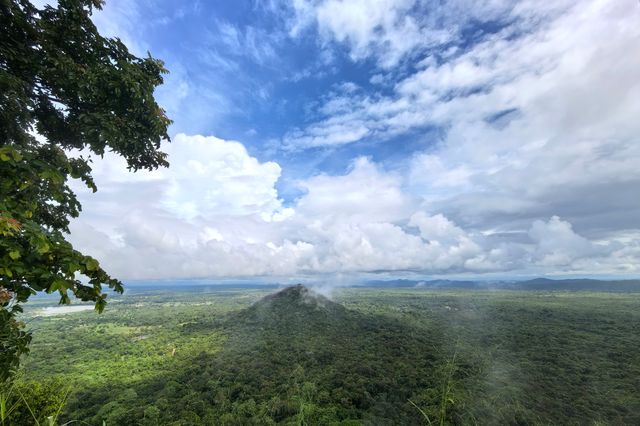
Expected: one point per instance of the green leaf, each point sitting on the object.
(92, 265)
(42, 247)
(100, 305)
(14, 254)
(64, 299)
(58, 285)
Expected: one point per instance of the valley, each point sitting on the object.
(368, 356)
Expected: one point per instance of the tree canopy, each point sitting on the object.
(67, 95)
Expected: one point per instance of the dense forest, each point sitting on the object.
(370, 356)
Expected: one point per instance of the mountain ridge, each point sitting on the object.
(540, 283)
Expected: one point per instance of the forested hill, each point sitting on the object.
(292, 307)
(578, 284)
(295, 357)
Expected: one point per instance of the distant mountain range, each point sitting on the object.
(536, 284)
(578, 284)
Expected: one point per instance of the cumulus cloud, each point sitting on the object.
(211, 177)
(365, 194)
(557, 243)
(436, 228)
(216, 213)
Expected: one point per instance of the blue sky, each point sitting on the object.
(390, 138)
(241, 74)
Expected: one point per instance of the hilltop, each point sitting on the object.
(296, 346)
(294, 306)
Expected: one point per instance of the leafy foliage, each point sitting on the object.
(32, 402)
(14, 340)
(63, 89)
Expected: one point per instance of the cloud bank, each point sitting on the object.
(534, 169)
(216, 214)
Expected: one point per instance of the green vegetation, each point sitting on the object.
(63, 89)
(373, 356)
(31, 402)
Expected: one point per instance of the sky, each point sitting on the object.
(335, 140)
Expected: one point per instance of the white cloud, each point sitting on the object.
(557, 69)
(215, 196)
(391, 30)
(365, 194)
(210, 177)
(216, 213)
(366, 25)
(248, 41)
(566, 140)
(557, 244)
(437, 228)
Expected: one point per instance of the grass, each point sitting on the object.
(20, 403)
